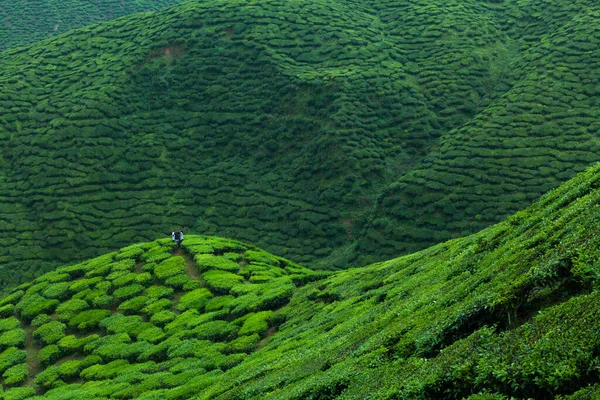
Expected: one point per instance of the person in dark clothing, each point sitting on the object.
(177, 236)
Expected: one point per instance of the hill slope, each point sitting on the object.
(327, 132)
(508, 312)
(24, 22)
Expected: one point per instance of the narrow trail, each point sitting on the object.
(32, 348)
(190, 264)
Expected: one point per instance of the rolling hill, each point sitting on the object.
(510, 312)
(332, 133)
(25, 22)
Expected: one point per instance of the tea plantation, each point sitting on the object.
(25, 22)
(333, 133)
(510, 312)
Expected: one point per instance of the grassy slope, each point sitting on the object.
(508, 312)
(24, 22)
(286, 124)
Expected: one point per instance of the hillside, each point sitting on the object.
(331, 133)
(510, 312)
(24, 22)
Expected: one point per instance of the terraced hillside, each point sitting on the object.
(331, 133)
(24, 22)
(510, 312)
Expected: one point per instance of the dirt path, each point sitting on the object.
(190, 265)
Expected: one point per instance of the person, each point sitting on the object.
(177, 236)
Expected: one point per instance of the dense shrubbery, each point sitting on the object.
(293, 130)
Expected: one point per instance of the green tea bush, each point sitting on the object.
(162, 318)
(243, 344)
(7, 310)
(40, 320)
(125, 279)
(29, 307)
(169, 268)
(218, 303)
(48, 355)
(50, 333)
(156, 292)
(12, 338)
(69, 369)
(256, 323)
(133, 305)
(195, 299)
(58, 291)
(157, 306)
(88, 319)
(67, 310)
(127, 292)
(11, 356)
(8, 324)
(15, 375)
(213, 330)
(220, 281)
(207, 262)
(180, 281)
(102, 301)
(19, 393)
(49, 377)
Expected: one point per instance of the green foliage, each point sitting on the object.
(19, 393)
(169, 268)
(50, 332)
(88, 319)
(11, 356)
(207, 262)
(49, 354)
(30, 306)
(67, 310)
(14, 337)
(195, 299)
(256, 323)
(221, 282)
(15, 375)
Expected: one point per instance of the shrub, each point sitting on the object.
(221, 281)
(207, 262)
(15, 375)
(124, 280)
(133, 305)
(156, 292)
(88, 319)
(11, 356)
(179, 281)
(70, 308)
(163, 317)
(256, 323)
(84, 284)
(69, 369)
(157, 306)
(219, 302)
(8, 324)
(7, 310)
(213, 330)
(13, 338)
(57, 290)
(49, 355)
(195, 299)
(48, 377)
(152, 334)
(102, 301)
(50, 333)
(19, 393)
(170, 267)
(29, 307)
(231, 361)
(144, 278)
(40, 320)
(129, 291)
(243, 344)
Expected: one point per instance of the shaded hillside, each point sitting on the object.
(507, 313)
(321, 131)
(538, 133)
(24, 22)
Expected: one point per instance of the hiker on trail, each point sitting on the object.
(177, 236)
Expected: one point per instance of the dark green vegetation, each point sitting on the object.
(511, 312)
(329, 132)
(24, 22)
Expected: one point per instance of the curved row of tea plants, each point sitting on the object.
(25, 22)
(142, 318)
(286, 124)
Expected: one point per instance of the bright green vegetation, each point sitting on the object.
(25, 22)
(333, 133)
(510, 312)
